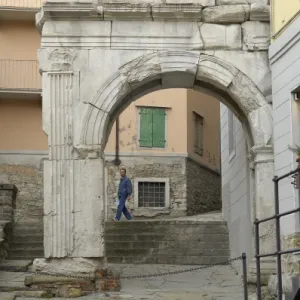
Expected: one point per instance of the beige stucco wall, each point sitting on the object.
(19, 40)
(209, 108)
(282, 13)
(174, 100)
(18, 55)
(21, 3)
(21, 125)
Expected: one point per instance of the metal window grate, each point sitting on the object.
(151, 194)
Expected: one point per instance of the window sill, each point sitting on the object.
(151, 148)
(150, 212)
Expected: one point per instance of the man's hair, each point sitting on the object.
(124, 169)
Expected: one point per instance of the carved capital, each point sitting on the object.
(87, 152)
(62, 59)
(262, 154)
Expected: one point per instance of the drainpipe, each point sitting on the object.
(117, 160)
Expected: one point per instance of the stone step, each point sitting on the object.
(167, 242)
(164, 222)
(218, 238)
(164, 244)
(27, 230)
(29, 223)
(15, 265)
(164, 229)
(169, 260)
(168, 251)
(28, 238)
(26, 245)
(26, 253)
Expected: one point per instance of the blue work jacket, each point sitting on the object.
(125, 188)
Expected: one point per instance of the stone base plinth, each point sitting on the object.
(77, 266)
(60, 286)
(267, 269)
(107, 281)
(72, 277)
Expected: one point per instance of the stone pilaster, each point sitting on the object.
(264, 206)
(264, 195)
(59, 170)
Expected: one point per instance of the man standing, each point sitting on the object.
(124, 193)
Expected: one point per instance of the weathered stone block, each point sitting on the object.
(256, 36)
(155, 35)
(198, 2)
(260, 1)
(259, 12)
(176, 12)
(221, 36)
(75, 266)
(113, 11)
(227, 14)
(231, 2)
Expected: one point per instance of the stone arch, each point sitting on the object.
(186, 69)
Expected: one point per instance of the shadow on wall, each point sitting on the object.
(203, 189)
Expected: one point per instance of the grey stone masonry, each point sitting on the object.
(167, 242)
(27, 240)
(203, 189)
(8, 194)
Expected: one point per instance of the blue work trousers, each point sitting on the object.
(123, 209)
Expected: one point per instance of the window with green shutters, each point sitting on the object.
(152, 127)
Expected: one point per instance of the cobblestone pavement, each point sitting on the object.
(215, 283)
(221, 282)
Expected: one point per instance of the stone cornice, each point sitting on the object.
(151, 10)
(263, 154)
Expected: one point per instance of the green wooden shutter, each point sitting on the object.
(159, 127)
(146, 127)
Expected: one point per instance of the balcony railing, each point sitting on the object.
(21, 4)
(19, 75)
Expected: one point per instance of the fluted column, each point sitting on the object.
(59, 170)
(73, 180)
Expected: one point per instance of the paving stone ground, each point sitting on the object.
(215, 283)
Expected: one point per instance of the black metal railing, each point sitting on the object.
(277, 215)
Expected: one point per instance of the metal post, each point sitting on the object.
(258, 282)
(298, 181)
(278, 243)
(244, 258)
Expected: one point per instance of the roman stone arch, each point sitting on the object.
(98, 56)
(185, 69)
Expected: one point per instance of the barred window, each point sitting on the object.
(151, 194)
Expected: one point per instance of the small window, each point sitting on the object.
(231, 139)
(151, 194)
(152, 127)
(198, 139)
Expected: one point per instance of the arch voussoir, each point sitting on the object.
(215, 71)
(180, 69)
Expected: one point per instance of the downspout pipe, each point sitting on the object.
(117, 160)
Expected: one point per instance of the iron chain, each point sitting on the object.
(146, 275)
(181, 271)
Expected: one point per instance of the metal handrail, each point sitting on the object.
(278, 253)
(19, 75)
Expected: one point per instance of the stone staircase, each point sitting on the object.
(185, 241)
(27, 241)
